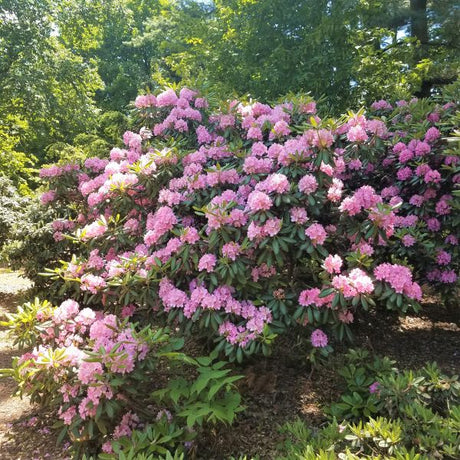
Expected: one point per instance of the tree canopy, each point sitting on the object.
(63, 64)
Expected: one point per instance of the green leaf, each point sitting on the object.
(326, 292)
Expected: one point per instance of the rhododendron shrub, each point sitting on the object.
(419, 172)
(250, 219)
(105, 377)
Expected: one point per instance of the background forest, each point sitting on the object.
(70, 68)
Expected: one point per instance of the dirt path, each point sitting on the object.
(24, 434)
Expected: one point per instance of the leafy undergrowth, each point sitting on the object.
(384, 412)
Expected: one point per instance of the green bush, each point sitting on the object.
(12, 205)
(384, 413)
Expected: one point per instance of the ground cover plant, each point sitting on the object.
(384, 413)
(234, 224)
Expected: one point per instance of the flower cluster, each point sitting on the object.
(399, 278)
(82, 351)
(95, 372)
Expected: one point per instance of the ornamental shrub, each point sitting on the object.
(246, 220)
(375, 387)
(426, 436)
(34, 245)
(384, 413)
(114, 384)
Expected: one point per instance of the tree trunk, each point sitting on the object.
(419, 21)
(419, 30)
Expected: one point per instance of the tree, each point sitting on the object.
(270, 48)
(41, 81)
(108, 32)
(352, 51)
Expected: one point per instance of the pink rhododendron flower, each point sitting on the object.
(128, 422)
(443, 258)
(408, 240)
(259, 201)
(274, 183)
(280, 129)
(190, 235)
(448, 276)
(323, 139)
(253, 165)
(316, 233)
(48, 197)
(377, 127)
(308, 184)
(203, 135)
(255, 133)
(272, 227)
(89, 372)
(92, 283)
(167, 98)
(68, 415)
(381, 105)
(158, 224)
(432, 135)
(207, 262)
(299, 215)
(311, 297)
(93, 230)
(67, 310)
(432, 176)
(404, 173)
(334, 193)
(346, 317)
(333, 263)
(355, 165)
(326, 169)
(433, 224)
(360, 281)
(399, 278)
(357, 134)
(318, 338)
(231, 250)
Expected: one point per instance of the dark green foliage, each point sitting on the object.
(12, 205)
(350, 51)
(34, 246)
(42, 81)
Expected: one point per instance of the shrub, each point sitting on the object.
(12, 205)
(252, 219)
(384, 413)
(426, 436)
(115, 385)
(375, 387)
(35, 245)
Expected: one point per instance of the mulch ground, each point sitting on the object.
(275, 390)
